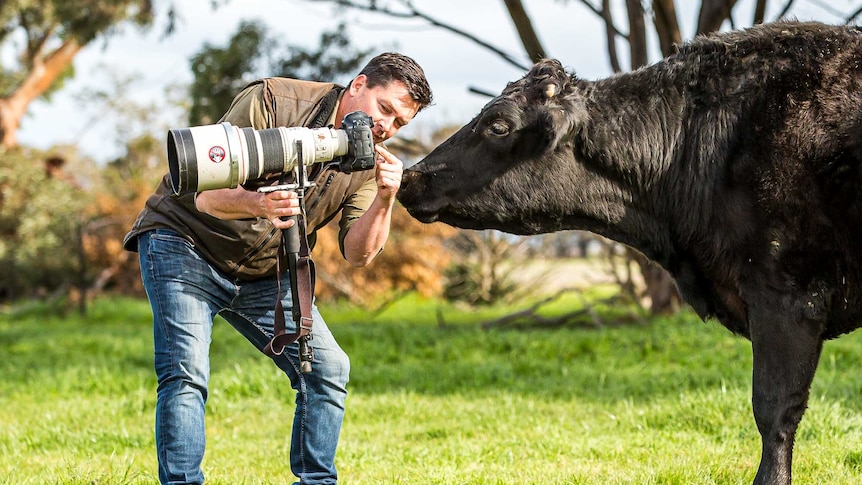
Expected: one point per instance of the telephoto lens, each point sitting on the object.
(224, 156)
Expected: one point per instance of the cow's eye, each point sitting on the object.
(498, 128)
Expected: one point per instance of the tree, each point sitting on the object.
(47, 34)
(41, 211)
(221, 72)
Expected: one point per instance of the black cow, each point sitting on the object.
(735, 164)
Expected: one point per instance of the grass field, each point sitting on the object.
(666, 402)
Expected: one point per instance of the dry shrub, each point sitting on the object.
(414, 259)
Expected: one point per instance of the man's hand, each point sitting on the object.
(278, 204)
(388, 173)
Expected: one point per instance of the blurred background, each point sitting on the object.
(89, 88)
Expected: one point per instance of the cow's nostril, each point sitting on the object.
(409, 177)
(411, 187)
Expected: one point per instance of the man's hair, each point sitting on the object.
(391, 66)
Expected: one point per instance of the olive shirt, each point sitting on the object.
(247, 248)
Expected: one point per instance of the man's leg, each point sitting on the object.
(320, 393)
(185, 293)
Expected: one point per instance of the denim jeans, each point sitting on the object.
(186, 293)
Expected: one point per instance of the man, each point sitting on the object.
(215, 253)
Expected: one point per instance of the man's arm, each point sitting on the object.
(369, 233)
(240, 203)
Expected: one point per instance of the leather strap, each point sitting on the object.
(294, 247)
(302, 277)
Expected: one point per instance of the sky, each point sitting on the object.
(452, 64)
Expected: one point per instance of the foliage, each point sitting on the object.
(120, 188)
(131, 119)
(413, 260)
(46, 35)
(62, 220)
(333, 59)
(667, 402)
(221, 72)
(127, 182)
(30, 27)
(42, 210)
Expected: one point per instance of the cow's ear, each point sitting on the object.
(547, 80)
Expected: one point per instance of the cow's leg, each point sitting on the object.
(786, 347)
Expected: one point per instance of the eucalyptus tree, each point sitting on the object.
(44, 36)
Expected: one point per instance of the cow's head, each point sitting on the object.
(503, 169)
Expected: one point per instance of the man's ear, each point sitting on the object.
(358, 82)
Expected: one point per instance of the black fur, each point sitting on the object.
(735, 164)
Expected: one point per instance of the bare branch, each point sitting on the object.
(481, 92)
(610, 35)
(413, 12)
(525, 30)
(601, 13)
(827, 7)
(786, 9)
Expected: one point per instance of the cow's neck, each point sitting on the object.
(628, 148)
(654, 170)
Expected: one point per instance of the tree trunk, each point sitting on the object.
(666, 26)
(713, 13)
(637, 34)
(610, 36)
(525, 30)
(43, 73)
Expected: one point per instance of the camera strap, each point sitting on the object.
(301, 271)
(294, 249)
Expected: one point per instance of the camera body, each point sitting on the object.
(360, 141)
(224, 156)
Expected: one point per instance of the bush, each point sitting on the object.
(41, 214)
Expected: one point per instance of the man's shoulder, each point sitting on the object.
(296, 88)
(294, 102)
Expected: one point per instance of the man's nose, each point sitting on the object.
(385, 124)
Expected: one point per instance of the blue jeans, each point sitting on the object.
(186, 293)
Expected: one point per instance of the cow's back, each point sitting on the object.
(784, 102)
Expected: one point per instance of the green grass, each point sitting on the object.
(662, 403)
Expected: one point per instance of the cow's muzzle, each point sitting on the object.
(413, 196)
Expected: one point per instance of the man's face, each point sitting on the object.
(390, 106)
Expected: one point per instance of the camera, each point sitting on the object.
(224, 156)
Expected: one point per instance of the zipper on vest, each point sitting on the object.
(329, 179)
(258, 248)
(274, 231)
